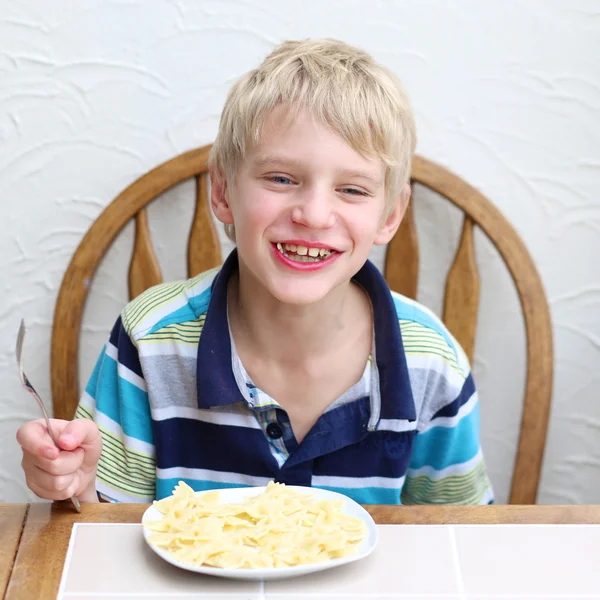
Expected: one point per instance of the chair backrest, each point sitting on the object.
(401, 271)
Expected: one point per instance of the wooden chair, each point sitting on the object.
(401, 272)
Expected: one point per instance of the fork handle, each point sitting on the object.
(30, 389)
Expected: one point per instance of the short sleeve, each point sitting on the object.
(116, 399)
(447, 464)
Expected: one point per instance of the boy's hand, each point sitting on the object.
(56, 474)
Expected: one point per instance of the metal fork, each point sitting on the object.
(27, 385)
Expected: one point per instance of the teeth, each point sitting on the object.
(303, 253)
(304, 258)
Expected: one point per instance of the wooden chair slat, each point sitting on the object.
(204, 249)
(401, 269)
(144, 269)
(461, 300)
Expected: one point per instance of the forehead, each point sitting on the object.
(302, 138)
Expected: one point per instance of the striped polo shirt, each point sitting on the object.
(174, 403)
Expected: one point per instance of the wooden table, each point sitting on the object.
(12, 519)
(35, 537)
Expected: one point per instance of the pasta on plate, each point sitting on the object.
(280, 527)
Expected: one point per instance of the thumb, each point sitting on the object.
(80, 433)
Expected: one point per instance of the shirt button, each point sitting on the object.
(274, 431)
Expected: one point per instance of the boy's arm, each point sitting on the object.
(447, 465)
(116, 399)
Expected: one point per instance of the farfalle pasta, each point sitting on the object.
(279, 528)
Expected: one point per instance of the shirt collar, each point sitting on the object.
(216, 382)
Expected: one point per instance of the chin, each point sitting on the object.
(299, 295)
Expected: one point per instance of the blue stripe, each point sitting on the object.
(199, 303)
(92, 383)
(367, 495)
(380, 453)
(410, 312)
(127, 353)
(451, 410)
(441, 447)
(181, 315)
(198, 445)
(136, 420)
(164, 487)
(123, 402)
(114, 332)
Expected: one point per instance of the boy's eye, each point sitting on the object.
(354, 192)
(280, 179)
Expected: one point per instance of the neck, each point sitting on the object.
(291, 333)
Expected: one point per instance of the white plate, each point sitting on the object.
(233, 495)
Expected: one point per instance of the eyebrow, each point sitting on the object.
(269, 159)
(362, 175)
(273, 159)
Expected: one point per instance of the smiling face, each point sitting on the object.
(307, 209)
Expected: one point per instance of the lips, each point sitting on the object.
(301, 256)
(302, 253)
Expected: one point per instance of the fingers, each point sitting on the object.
(58, 473)
(35, 439)
(64, 464)
(80, 433)
(54, 488)
(47, 482)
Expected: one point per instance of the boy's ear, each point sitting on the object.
(218, 198)
(390, 225)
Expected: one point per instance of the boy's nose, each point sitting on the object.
(314, 210)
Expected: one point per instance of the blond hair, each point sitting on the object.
(341, 85)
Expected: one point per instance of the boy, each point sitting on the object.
(294, 361)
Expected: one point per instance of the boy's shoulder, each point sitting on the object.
(169, 306)
(426, 340)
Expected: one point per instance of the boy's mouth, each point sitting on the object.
(299, 253)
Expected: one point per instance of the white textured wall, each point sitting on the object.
(94, 93)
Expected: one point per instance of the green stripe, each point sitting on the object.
(132, 485)
(124, 456)
(452, 362)
(128, 455)
(142, 306)
(114, 454)
(171, 338)
(148, 302)
(419, 340)
(430, 347)
(410, 335)
(83, 413)
(458, 488)
(114, 463)
(141, 480)
(452, 483)
(124, 487)
(137, 306)
(117, 445)
(188, 333)
(125, 468)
